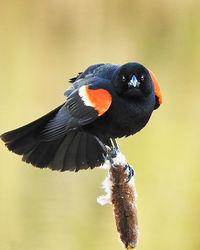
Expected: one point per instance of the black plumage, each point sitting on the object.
(105, 101)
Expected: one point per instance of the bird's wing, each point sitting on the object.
(82, 107)
(103, 71)
(89, 71)
(83, 78)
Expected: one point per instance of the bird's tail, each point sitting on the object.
(74, 151)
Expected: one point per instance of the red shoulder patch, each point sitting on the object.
(99, 99)
(156, 86)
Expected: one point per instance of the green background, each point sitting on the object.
(42, 45)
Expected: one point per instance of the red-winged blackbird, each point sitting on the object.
(105, 102)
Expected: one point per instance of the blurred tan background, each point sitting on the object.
(42, 45)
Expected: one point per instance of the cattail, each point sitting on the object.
(122, 195)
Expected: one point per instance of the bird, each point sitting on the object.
(105, 102)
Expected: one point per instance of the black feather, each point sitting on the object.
(73, 79)
(57, 163)
(70, 155)
(81, 161)
(42, 154)
(92, 153)
(23, 139)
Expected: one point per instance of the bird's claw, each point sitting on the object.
(113, 152)
(131, 172)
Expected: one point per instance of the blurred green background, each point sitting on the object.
(42, 45)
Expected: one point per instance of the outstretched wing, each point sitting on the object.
(54, 141)
(82, 107)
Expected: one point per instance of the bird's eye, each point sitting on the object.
(123, 79)
(142, 77)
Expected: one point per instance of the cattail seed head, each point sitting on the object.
(122, 195)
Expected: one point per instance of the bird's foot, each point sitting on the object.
(114, 152)
(111, 153)
(130, 170)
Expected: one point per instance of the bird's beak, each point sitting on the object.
(134, 82)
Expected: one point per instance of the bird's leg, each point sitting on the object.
(114, 152)
(110, 155)
(114, 149)
(115, 144)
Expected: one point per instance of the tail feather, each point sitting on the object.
(74, 151)
(81, 160)
(57, 163)
(23, 139)
(69, 160)
(93, 157)
(42, 153)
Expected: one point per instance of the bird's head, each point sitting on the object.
(133, 80)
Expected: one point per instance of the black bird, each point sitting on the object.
(105, 102)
